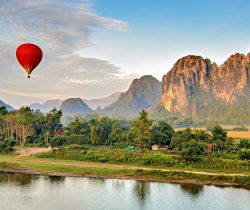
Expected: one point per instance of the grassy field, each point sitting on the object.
(218, 162)
(233, 134)
(105, 170)
(239, 134)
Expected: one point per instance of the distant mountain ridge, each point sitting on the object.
(93, 104)
(47, 106)
(74, 106)
(8, 107)
(102, 102)
(194, 88)
(142, 94)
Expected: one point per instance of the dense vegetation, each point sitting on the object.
(25, 126)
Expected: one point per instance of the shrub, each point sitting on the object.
(6, 145)
(58, 141)
(219, 134)
(68, 140)
(244, 154)
(244, 143)
(74, 147)
(191, 150)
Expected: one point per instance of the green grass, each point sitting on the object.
(70, 168)
(225, 163)
(6, 164)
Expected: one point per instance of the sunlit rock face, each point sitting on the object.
(195, 84)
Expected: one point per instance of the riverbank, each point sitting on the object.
(54, 167)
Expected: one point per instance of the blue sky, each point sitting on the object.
(93, 48)
(162, 31)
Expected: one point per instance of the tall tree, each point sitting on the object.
(79, 127)
(162, 133)
(53, 120)
(142, 130)
(24, 124)
(116, 132)
(95, 135)
(180, 137)
(219, 134)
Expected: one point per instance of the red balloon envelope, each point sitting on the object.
(29, 56)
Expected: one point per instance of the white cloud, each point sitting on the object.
(61, 28)
(81, 82)
(58, 25)
(43, 96)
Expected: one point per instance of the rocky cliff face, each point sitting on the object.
(231, 79)
(142, 94)
(195, 84)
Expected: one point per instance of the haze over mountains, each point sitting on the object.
(73, 106)
(8, 107)
(194, 88)
(102, 102)
(48, 105)
(142, 94)
(92, 103)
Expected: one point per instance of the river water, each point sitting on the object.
(32, 192)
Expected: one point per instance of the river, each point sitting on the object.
(32, 192)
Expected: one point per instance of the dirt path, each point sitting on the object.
(31, 150)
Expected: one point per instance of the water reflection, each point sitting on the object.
(118, 184)
(98, 182)
(76, 193)
(56, 179)
(142, 190)
(20, 179)
(3, 177)
(193, 189)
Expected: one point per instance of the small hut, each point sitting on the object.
(155, 147)
(210, 147)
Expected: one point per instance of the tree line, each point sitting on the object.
(27, 126)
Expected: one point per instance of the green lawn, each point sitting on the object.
(69, 167)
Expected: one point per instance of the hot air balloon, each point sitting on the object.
(29, 56)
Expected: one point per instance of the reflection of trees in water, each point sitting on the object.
(192, 189)
(21, 179)
(56, 179)
(142, 190)
(3, 177)
(97, 182)
(118, 184)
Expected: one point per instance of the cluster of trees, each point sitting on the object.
(25, 125)
(143, 133)
(28, 126)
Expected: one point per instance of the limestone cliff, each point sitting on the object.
(195, 84)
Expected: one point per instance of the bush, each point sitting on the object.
(191, 150)
(68, 140)
(74, 147)
(244, 143)
(244, 154)
(219, 134)
(58, 141)
(6, 145)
